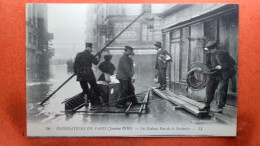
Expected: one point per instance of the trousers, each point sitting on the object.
(162, 77)
(127, 92)
(219, 86)
(85, 88)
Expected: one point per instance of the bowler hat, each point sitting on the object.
(211, 44)
(158, 44)
(89, 45)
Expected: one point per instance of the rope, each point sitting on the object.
(197, 76)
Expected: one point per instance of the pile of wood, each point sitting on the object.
(182, 102)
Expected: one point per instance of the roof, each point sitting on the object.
(173, 9)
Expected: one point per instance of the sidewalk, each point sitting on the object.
(229, 114)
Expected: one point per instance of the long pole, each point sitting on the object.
(110, 42)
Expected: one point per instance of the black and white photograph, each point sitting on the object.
(131, 70)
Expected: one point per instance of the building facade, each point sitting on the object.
(38, 51)
(111, 19)
(185, 31)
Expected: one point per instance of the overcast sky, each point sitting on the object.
(67, 23)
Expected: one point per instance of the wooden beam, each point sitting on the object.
(80, 106)
(144, 101)
(163, 96)
(184, 98)
(127, 110)
(185, 105)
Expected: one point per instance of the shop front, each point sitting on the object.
(187, 29)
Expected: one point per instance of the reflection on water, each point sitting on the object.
(160, 111)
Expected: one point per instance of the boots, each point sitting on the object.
(86, 100)
(219, 110)
(206, 108)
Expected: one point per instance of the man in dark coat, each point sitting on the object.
(82, 68)
(223, 64)
(106, 67)
(125, 73)
(162, 60)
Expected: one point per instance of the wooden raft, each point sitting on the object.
(181, 101)
(74, 103)
(139, 109)
(131, 109)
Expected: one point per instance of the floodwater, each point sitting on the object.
(159, 111)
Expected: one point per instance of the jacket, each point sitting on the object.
(83, 64)
(161, 61)
(125, 70)
(106, 67)
(222, 58)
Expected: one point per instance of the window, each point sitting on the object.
(147, 33)
(30, 37)
(184, 52)
(144, 32)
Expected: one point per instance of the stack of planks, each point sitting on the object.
(181, 101)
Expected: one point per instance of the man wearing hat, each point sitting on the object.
(82, 68)
(125, 73)
(220, 62)
(162, 60)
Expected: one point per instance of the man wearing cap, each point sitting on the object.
(82, 68)
(125, 73)
(220, 62)
(162, 60)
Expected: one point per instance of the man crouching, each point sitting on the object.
(125, 73)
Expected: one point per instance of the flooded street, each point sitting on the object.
(160, 112)
(53, 110)
(156, 37)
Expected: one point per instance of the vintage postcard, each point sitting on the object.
(131, 70)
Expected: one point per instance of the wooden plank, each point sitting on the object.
(127, 110)
(80, 106)
(147, 99)
(94, 112)
(185, 105)
(144, 102)
(193, 102)
(140, 109)
(184, 98)
(69, 99)
(160, 94)
(191, 108)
